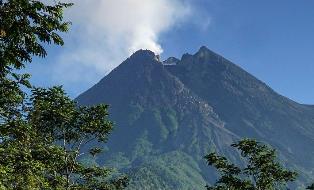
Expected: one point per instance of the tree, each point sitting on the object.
(57, 118)
(311, 187)
(261, 171)
(43, 136)
(48, 141)
(24, 26)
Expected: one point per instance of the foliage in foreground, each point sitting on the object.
(44, 135)
(24, 26)
(42, 147)
(261, 171)
(311, 187)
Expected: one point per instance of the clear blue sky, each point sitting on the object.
(271, 39)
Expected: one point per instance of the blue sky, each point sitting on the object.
(271, 39)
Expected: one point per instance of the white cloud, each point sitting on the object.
(105, 32)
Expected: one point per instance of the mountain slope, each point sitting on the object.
(248, 106)
(169, 115)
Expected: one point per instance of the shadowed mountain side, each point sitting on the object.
(248, 106)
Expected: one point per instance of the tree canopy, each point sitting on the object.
(24, 26)
(44, 134)
(311, 187)
(261, 171)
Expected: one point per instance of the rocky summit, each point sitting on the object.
(169, 114)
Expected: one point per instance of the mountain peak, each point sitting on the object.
(203, 49)
(145, 55)
(171, 61)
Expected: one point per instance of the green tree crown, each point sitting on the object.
(262, 171)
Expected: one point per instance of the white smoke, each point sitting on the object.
(105, 32)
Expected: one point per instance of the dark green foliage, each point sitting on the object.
(42, 147)
(95, 151)
(261, 171)
(24, 26)
(311, 187)
(44, 136)
(58, 119)
(57, 116)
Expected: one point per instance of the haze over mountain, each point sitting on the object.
(169, 114)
